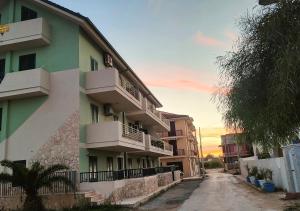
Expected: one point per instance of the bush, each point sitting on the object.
(213, 164)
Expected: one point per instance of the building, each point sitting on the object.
(67, 96)
(232, 151)
(185, 146)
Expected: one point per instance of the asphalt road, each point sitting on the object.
(171, 199)
(225, 192)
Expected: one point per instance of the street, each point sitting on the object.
(219, 191)
(224, 192)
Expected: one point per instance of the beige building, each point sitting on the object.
(185, 146)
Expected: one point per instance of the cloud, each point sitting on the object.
(178, 77)
(204, 40)
(182, 84)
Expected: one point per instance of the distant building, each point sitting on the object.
(231, 150)
(185, 146)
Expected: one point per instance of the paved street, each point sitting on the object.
(173, 198)
(219, 191)
(224, 192)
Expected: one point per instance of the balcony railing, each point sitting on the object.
(168, 147)
(157, 143)
(100, 176)
(132, 133)
(131, 89)
(25, 34)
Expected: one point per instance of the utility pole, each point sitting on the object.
(201, 151)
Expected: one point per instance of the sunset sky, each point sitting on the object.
(172, 45)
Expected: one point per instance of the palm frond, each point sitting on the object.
(49, 181)
(51, 170)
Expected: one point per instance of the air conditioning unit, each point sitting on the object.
(108, 110)
(108, 61)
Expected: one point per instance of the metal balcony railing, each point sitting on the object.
(168, 147)
(100, 176)
(132, 133)
(131, 89)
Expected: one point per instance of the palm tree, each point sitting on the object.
(32, 179)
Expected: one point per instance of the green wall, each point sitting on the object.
(61, 54)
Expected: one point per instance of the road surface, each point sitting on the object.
(225, 192)
(172, 199)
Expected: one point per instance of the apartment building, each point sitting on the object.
(185, 146)
(67, 96)
(232, 151)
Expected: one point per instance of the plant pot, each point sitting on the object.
(257, 183)
(261, 182)
(248, 179)
(269, 187)
(252, 180)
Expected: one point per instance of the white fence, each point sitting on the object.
(277, 165)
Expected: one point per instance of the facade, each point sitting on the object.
(67, 96)
(232, 151)
(185, 146)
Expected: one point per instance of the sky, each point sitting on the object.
(172, 45)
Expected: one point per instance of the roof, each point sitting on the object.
(174, 116)
(74, 16)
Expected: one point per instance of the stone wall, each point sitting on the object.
(54, 201)
(139, 186)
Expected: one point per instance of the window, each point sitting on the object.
(110, 164)
(95, 113)
(130, 163)
(27, 14)
(94, 64)
(27, 62)
(20, 163)
(2, 69)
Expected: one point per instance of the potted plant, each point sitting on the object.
(253, 173)
(258, 177)
(248, 173)
(261, 178)
(268, 186)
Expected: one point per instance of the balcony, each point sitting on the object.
(108, 86)
(114, 136)
(25, 34)
(150, 117)
(157, 146)
(25, 84)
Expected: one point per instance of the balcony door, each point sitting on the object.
(2, 69)
(120, 163)
(93, 168)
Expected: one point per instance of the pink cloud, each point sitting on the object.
(182, 84)
(204, 40)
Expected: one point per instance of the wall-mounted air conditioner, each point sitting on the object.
(108, 110)
(108, 61)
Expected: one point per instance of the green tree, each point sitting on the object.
(262, 76)
(32, 179)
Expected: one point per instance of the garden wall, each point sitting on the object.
(129, 188)
(277, 165)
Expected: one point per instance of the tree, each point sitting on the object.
(32, 179)
(262, 76)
